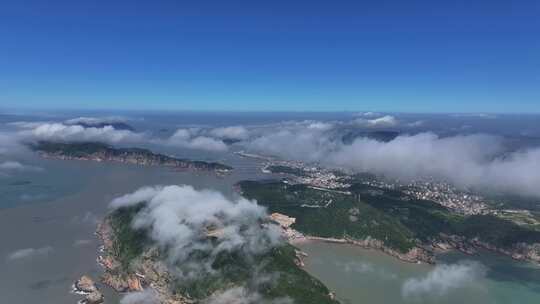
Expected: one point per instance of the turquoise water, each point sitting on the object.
(366, 276)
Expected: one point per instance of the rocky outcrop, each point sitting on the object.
(86, 286)
(414, 255)
(93, 298)
(122, 283)
(519, 251)
(147, 271)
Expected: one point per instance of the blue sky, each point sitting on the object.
(410, 56)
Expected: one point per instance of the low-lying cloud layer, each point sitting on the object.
(97, 129)
(443, 279)
(95, 120)
(469, 161)
(9, 144)
(380, 122)
(194, 139)
(180, 219)
(142, 297)
(64, 132)
(234, 132)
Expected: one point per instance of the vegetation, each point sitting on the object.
(330, 214)
(128, 243)
(399, 220)
(273, 274)
(286, 170)
(115, 125)
(384, 136)
(496, 231)
(96, 149)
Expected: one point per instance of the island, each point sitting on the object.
(95, 151)
(133, 262)
(117, 125)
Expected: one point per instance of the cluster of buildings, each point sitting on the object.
(311, 175)
(322, 179)
(439, 192)
(442, 193)
(448, 196)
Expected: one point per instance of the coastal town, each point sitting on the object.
(460, 201)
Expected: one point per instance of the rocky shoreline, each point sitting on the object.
(424, 253)
(86, 286)
(103, 153)
(520, 252)
(150, 273)
(147, 273)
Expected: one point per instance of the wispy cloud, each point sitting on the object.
(179, 219)
(29, 253)
(380, 122)
(17, 166)
(194, 139)
(443, 279)
(233, 132)
(147, 296)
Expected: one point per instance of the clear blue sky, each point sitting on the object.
(414, 56)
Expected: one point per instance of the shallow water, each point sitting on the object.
(366, 276)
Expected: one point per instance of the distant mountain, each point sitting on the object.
(384, 136)
(102, 152)
(116, 125)
(230, 141)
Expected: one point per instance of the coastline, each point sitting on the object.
(422, 255)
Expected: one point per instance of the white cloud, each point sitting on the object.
(28, 253)
(466, 161)
(179, 218)
(367, 114)
(415, 124)
(381, 122)
(322, 126)
(63, 132)
(443, 279)
(17, 166)
(9, 144)
(469, 161)
(95, 120)
(147, 296)
(190, 138)
(237, 295)
(233, 132)
(241, 295)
